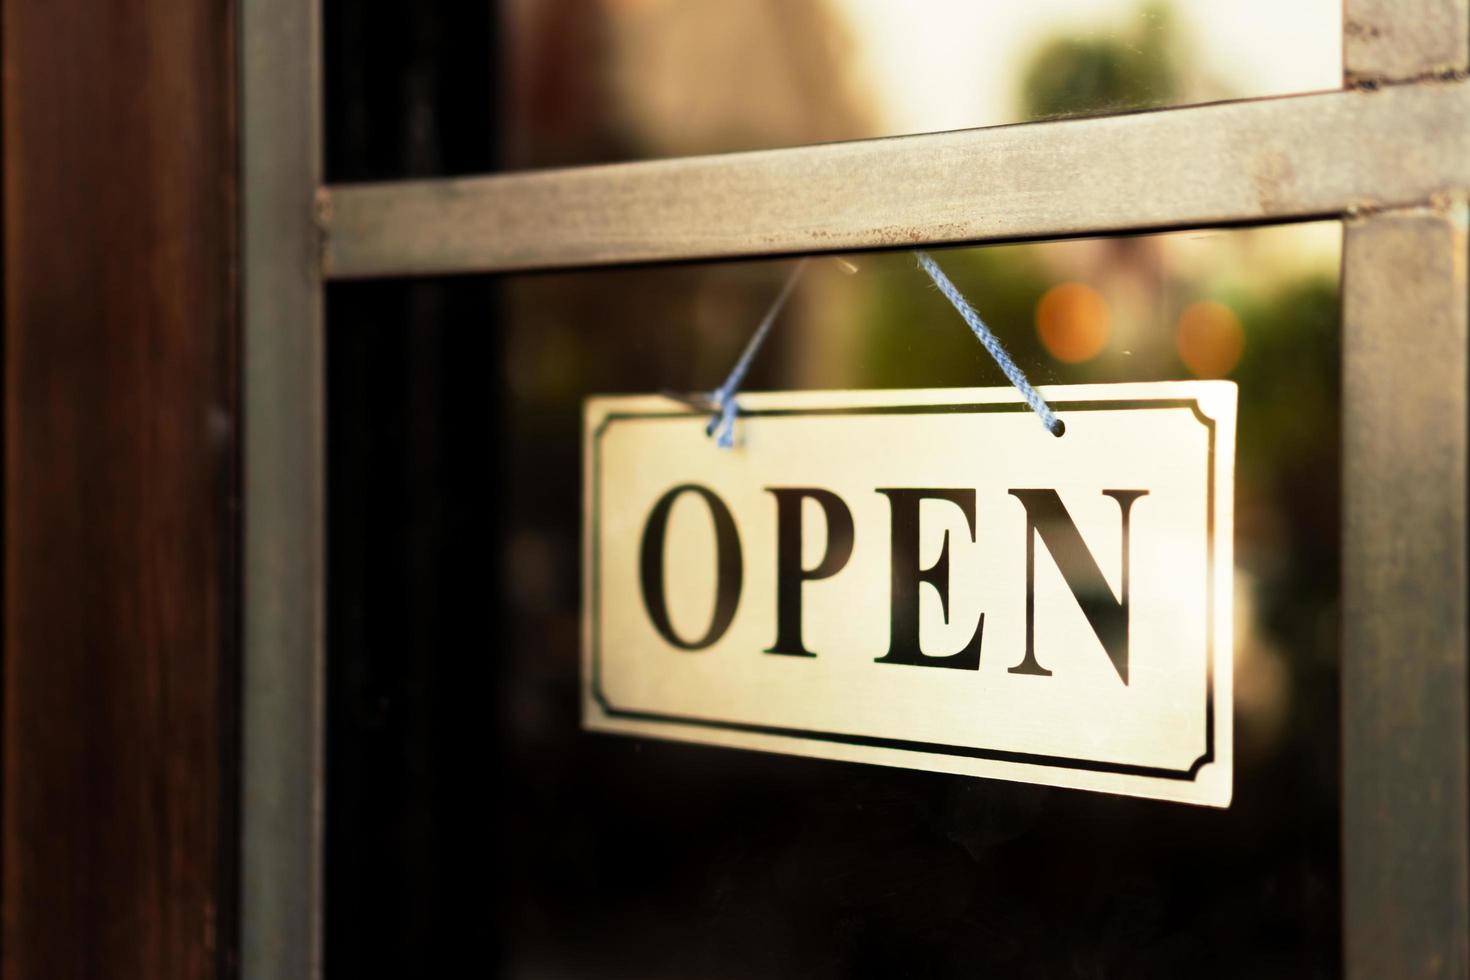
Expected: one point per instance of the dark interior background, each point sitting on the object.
(416, 825)
(471, 824)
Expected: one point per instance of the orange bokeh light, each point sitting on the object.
(1209, 339)
(1072, 322)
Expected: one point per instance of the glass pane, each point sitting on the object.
(472, 822)
(439, 88)
(598, 80)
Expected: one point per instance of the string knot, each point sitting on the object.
(722, 424)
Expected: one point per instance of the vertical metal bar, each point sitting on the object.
(1406, 870)
(284, 464)
(1398, 40)
(1406, 878)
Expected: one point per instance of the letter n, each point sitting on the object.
(1106, 614)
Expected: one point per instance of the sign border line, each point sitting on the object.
(909, 745)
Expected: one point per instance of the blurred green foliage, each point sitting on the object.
(1122, 71)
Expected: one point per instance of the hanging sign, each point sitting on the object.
(927, 579)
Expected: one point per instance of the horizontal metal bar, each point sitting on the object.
(1267, 160)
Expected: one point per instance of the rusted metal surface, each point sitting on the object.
(284, 464)
(1269, 160)
(1401, 40)
(1405, 813)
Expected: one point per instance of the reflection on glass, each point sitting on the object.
(600, 80)
(756, 865)
(469, 818)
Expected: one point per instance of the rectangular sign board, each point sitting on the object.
(927, 579)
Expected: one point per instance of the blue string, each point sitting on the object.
(989, 341)
(724, 395)
(722, 424)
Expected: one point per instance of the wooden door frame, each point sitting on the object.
(121, 490)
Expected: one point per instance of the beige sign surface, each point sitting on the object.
(926, 579)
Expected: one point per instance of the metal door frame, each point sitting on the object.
(1388, 154)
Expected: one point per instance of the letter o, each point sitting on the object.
(728, 562)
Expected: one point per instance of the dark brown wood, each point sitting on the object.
(120, 618)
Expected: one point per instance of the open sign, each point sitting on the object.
(926, 579)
